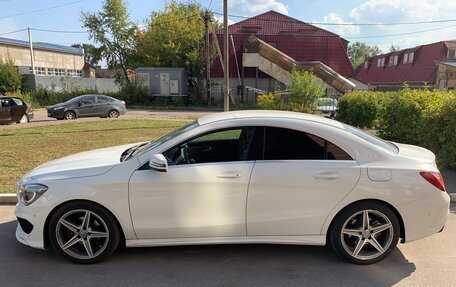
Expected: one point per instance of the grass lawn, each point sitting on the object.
(24, 149)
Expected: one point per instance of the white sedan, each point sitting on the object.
(238, 177)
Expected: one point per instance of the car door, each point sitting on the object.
(203, 193)
(86, 107)
(5, 110)
(18, 108)
(300, 180)
(103, 106)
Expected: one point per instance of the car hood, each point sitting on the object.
(56, 106)
(90, 163)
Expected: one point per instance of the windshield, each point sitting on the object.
(372, 139)
(167, 137)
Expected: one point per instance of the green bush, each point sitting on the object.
(361, 108)
(419, 117)
(10, 79)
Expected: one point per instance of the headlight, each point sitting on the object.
(58, 108)
(28, 193)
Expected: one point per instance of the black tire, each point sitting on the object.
(345, 245)
(78, 252)
(113, 114)
(69, 115)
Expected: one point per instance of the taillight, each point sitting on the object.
(123, 103)
(434, 178)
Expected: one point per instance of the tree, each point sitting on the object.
(305, 88)
(173, 37)
(394, 48)
(10, 79)
(114, 31)
(358, 52)
(92, 54)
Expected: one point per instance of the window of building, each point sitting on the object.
(39, 71)
(395, 60)
(51, 72)
(56, 72)
(451, 54)
(366, 65)
(410, 57)
(379, 62)
(391, 61)
(74, 73)
(405, 59)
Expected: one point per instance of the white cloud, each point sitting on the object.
(220, 20)
(254, 7)
(388, 11)
(342, 30)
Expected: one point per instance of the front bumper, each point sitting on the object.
(36, 214)
(55, 113)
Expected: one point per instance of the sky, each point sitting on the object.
(65, 15)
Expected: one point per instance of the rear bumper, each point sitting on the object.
(425, 217)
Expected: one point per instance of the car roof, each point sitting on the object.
(268, 115)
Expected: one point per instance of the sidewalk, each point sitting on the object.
(449, 177)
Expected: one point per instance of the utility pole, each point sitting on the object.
(32, 57)
(208, 57)
(226, 84)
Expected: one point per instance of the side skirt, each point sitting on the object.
(319, 240)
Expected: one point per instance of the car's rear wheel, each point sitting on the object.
(24, 119)
(69, 115)
(83, 232)
(364, 233)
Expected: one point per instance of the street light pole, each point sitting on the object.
(226, 86)
(32, 57)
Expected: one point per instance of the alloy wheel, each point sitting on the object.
(82, 234)
(367, 234)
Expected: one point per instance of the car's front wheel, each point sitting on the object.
(83, 232)
(69, 115)
(364, 233)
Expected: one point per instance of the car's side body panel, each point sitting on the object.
(295, 197)
(196, 200)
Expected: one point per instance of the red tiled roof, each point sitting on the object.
(297, 39)
(422, 69)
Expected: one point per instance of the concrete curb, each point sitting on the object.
(10, 198)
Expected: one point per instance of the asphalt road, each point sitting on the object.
(427, 262)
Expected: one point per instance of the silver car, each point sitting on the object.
(87, 106)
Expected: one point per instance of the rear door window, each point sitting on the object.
(289, 144)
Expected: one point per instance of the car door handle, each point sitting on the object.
(326, 175)
(231, 174)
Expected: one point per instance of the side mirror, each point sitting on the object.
(158, 162)
(79, 104)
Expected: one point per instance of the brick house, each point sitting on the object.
(433, 65)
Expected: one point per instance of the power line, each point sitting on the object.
(60, 31)
(209, 7)
(345, 24)
(400, 34)
(12, 32)
(41, 10)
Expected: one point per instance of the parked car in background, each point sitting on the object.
(327, 105)
(87, 106)
(14, 110)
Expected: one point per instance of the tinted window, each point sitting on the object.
(218, 146)
(6, 102)
(373, 139)
(18, 102)
(103, 100)
(287, 144)
(89, 100)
